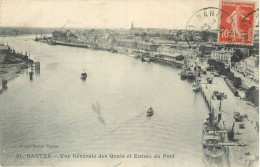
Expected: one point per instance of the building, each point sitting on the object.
(250, 64)
(137, 30)
(147, 46)
(60, 36)
(66, 36)
(127, 43)
(162, 41)
(166, 49)
(222, 55)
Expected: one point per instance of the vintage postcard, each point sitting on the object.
(129, 83)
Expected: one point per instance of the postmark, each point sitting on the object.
(205, 21)
(238, 26)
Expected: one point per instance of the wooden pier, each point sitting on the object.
(36, 67)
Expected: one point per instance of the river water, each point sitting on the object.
(58, 109)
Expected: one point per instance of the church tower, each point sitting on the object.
(132, 26)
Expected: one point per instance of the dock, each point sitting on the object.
(173, 63)
(70, 44)
(246, 131)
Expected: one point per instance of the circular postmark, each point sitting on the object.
(206, 21)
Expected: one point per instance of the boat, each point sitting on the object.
(131, 54)
(183, 75)
(113, 51)
(196, 87)
(51, 42)
(190, 75)
(212, 143)
(43, 40)
(83, 75)
(196, 84)
(212, 146)
(145, 58)
(36, 38)
(150, 112)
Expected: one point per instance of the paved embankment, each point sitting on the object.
(247, 135)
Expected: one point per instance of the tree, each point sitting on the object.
(226, 71)
(202, 50)
(230, 76)
(143, 35)
(234, 59)
(237, 55)
(237, 82)
(252, 95)
(204, 35)
(178, 33)
(219, 66)
(212, 62)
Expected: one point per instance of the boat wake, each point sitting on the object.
(97, 109)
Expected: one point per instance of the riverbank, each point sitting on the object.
(11, 71)
(156, 57)
(7, 76)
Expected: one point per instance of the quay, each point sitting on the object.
(154, 57)
(246, 131)
(70, 44)
(167, 60)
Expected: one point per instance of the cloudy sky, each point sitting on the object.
(100, 13)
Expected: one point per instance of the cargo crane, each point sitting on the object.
(64, 25)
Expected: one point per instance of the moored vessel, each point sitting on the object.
(190, 75)
(196, 87)
(183, 75)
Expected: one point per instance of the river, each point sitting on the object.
(57, 109)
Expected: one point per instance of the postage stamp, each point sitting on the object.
(238, 26)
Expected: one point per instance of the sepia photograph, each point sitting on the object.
(129, 83)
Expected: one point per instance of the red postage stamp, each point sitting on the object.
(236, 23)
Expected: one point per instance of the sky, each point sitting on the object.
(169, 14)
